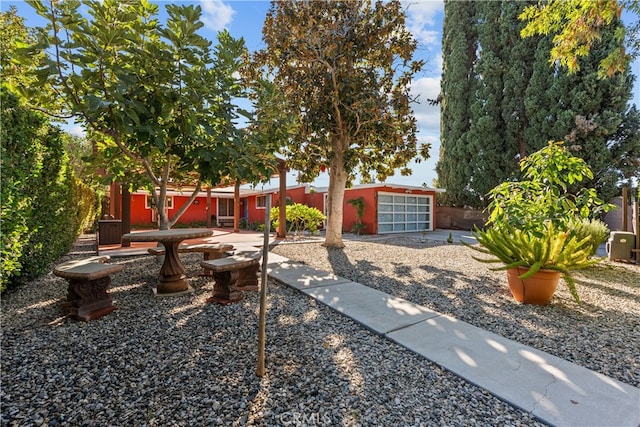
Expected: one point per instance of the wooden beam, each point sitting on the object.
(282, 218)
(625, 209)
(236, 207)
(126, 214)
(208, 207)
(636, 216)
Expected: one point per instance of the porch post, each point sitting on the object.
(282, 219)
(236, 208)
(208, 207)
(126, 213)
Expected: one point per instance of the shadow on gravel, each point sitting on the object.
(180, 361)
(602, 334)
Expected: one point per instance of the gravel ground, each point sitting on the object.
(183, 362)
(602, 334)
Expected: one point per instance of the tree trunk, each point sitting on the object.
(335, 199)
(161, 203)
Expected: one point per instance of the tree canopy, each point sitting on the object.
(501, 101)
(345, 68)
(576, 25)
(160, 101)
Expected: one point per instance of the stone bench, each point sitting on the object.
(209, 250)
(233, 275)
(89, 279)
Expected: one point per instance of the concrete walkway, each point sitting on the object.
(553, 390)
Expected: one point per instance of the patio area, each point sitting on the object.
(186, 362)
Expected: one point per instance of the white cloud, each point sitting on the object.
(421, 20)
(427, 115)
(438, 61)
(216, 14)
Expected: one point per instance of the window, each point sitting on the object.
(168, 202)
(225, 207)
(261, 202)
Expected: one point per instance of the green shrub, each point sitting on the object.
(299, 217)
(359, 205)
(544, 192)
(44, 208)
(596, 230)
(88, 207)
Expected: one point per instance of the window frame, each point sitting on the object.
(168, 202)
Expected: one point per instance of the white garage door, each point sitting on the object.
(398, 213)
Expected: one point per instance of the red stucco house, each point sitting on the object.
(388, 208)
(222, 208)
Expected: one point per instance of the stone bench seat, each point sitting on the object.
(233, 275)
(210, 250)
(89, 279)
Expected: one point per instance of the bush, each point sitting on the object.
(44, 207)
(596, 230)
(544, 194)
(299, 217)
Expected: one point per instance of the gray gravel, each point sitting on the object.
(601, 334)
(181, 361)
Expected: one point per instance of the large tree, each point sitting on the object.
(459, 45)
(160, 100)
(584, 110)
(502, 71)
(577, 24)
(518, 103)
(493, 158)
(345, 68)
(625, 147)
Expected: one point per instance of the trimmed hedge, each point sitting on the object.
(44, 207)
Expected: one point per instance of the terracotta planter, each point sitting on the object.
(537, 289)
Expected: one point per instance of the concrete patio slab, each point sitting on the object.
(554, 390)
(375, 310)
(300, 276)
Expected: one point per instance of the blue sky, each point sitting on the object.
(245, 19)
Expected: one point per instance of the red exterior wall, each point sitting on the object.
(315, 200)
(369, 218)
(254, 214)
(197, 211)
(370, 196)
(139, 213)
(295, 194)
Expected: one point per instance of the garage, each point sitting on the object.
(404, 212)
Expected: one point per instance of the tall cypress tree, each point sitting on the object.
(541, 101)
(513, 102)
(625, 146)
(586, 111)
(519, 56)
(486, 136)
(494, 141)
(603, 103)
(459, 45)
